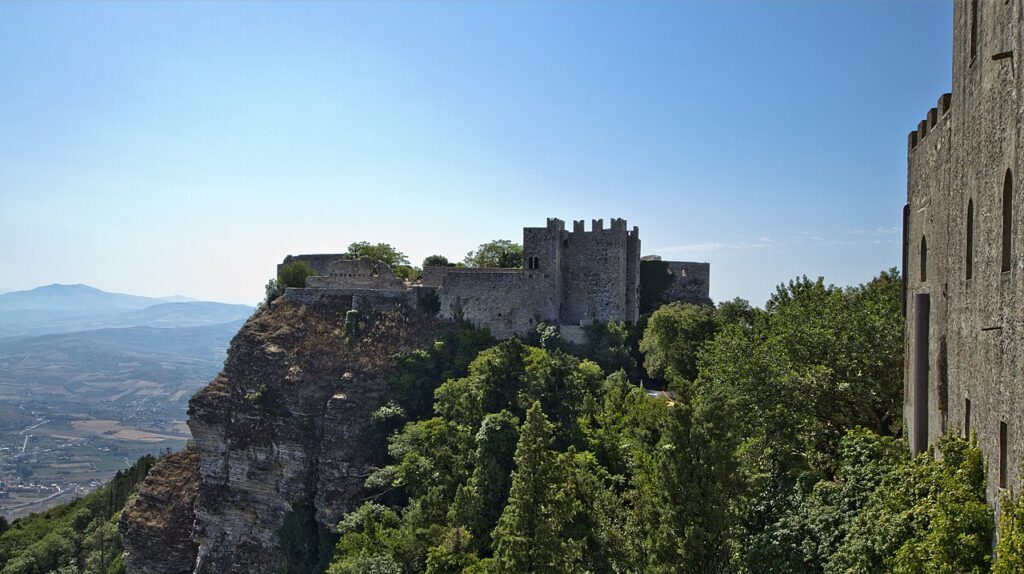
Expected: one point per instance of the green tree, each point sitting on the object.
(1010, 548)
(497, 253)
(480, 501)
(378, 252)
(528, 537)
(436, 261)
(674, 336)
(687, 510)
(291, 275)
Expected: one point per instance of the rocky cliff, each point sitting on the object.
(156, 525)
(282, 434)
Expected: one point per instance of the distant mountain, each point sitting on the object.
(73, 298)
(89, 369)
(70, 308)
(178, 299)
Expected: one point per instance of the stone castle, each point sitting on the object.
(569, 279)
(962, 249)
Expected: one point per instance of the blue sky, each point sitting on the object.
(186, 148)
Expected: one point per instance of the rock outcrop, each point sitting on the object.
(156, 526)
(282, 432)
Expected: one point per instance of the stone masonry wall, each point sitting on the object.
(691, 283)
(362, 273)
(594, 277)
(959, 156)
(505, 300)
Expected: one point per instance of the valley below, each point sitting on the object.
(78, 406)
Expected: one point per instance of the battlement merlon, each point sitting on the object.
(935, 116)
(555, 224)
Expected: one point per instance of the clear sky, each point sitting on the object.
(166, 148)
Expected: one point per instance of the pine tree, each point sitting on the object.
(528, 535)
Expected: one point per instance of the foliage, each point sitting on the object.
(654, 280)
(80, 536)
(351, 323)
(775, 454)
(675, 334)
(1010, 548)
(305, 545)
(291, 275)
(436, 261)
(377, 252)
(528, 535)
(610, 345)
(497, 253)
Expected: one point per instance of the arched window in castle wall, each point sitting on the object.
(969, 255)
(1007, 219)
(924, 259)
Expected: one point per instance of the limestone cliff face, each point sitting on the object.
(282, 432)
(156, 526)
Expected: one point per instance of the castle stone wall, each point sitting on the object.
(318, 262)
(568, 278)
(362, 273)
(504, 300)
(959, 155)
(594, 281)
(691, 283)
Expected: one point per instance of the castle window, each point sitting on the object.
(969, 257)
(974, 30)
(967, 418)
(1003, 452)
(1007, 219)
(924, 259)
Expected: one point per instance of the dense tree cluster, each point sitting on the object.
(80, 537)
(778, 451)
(497, 253)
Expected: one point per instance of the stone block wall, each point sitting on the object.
(691, 283)
(504, 300)
(594, 277)
(959, 158)
(362, 273)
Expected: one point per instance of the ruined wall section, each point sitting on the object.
(318, 261)
(362, 273)
(504, 300)
(691, 283)
(595, 274)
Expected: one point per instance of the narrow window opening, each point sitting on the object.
(1007, 219)
(967, 418)
(924, 259)
(1002, 454)
(974, 30)
(969, 257)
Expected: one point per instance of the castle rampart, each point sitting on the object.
(570, 279)
(962, 250)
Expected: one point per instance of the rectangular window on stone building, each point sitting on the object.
(974, 30)
(1007, 220)
(967, 418)
(1003, 453)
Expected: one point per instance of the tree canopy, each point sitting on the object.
(497, 253)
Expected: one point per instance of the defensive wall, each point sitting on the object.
(962, 250)
(570, 279)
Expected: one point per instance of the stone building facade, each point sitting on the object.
(569, 278)
(963, 252)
